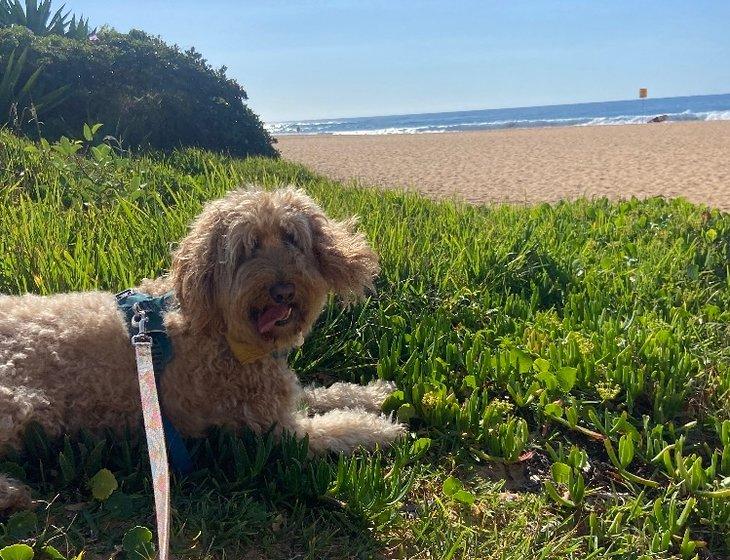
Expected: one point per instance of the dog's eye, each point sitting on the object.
(255, 246)
(289, 239)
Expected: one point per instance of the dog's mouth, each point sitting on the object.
(272, 317)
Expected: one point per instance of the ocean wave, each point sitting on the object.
(389, 130)
(668, 117)
(623, 119)
(311, 129)
(291, 127)
(717, 116)
(457, 127)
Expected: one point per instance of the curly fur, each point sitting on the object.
(66, 361)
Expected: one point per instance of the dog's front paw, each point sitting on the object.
(346, 430)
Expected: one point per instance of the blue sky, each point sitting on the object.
(340, 58)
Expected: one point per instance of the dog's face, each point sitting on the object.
(257, 267)
(274, 285)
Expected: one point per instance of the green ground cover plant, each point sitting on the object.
(564, 371)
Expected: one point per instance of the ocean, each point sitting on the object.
(636, 111)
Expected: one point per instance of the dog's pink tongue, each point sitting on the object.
(269, 317)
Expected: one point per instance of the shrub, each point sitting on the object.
(147, 93)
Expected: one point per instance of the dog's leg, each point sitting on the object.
(18, 407)
(346, 429)
(347, 395)
(13, 495)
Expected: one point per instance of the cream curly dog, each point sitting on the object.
(249, 279)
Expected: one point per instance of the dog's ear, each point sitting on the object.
(195, 266)
(346, 260)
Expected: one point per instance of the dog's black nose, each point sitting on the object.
(282, 292)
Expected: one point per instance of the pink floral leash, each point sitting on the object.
(154, 430)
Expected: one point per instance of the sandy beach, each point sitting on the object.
(690, 159)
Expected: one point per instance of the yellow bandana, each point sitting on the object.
(246, 353)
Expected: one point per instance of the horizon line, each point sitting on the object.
(426, 113)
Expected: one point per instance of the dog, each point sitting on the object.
(249, 281)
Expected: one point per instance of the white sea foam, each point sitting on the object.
(390, 130)
(292, 126)
(717, 116)
(670, 117)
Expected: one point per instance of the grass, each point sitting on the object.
(564, 370)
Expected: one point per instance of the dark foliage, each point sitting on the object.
(147, 93)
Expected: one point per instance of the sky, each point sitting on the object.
(347, 58)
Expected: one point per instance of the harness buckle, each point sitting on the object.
(139, 320)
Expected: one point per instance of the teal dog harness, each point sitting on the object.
(154, 308)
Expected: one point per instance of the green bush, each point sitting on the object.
(147, 93)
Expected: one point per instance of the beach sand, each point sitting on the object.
(691, 160)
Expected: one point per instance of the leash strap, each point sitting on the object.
(154, 430)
